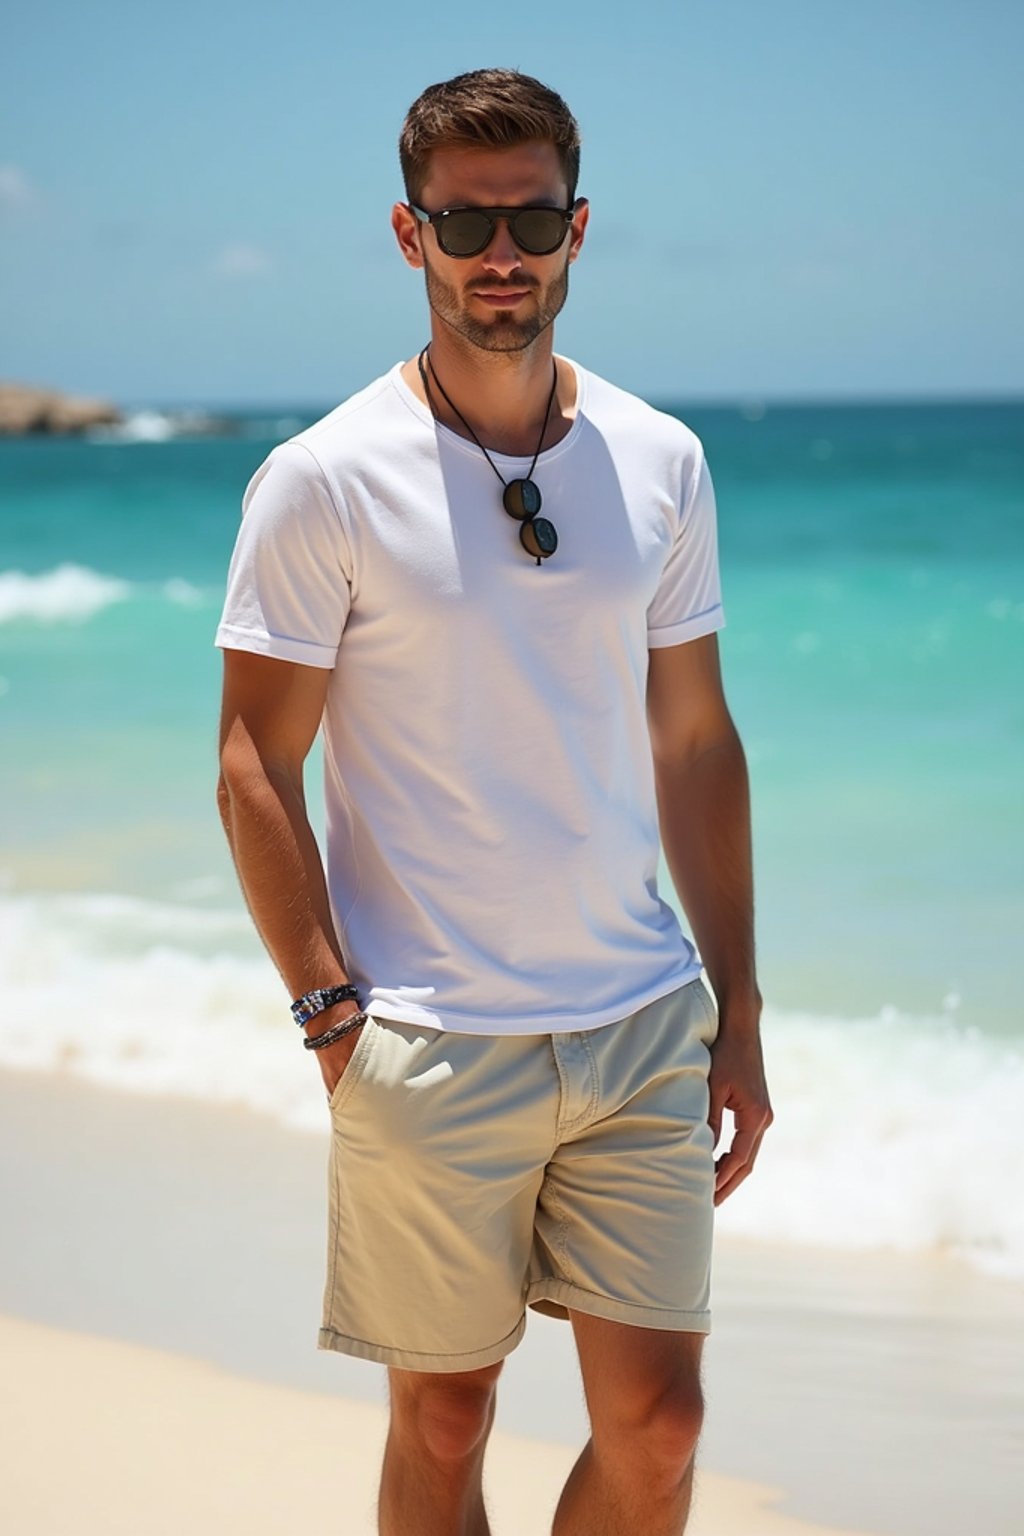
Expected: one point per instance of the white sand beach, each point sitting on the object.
(160, 1291)
(117, 1438)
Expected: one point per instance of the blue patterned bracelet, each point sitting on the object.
(318, 1001)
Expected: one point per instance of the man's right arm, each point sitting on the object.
(270, 715)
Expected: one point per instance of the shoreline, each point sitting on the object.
(195, 1234)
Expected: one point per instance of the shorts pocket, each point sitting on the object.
(709, 1031)
(355, 1066)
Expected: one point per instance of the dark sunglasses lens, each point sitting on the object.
(521, 499)
(539, 230)
(464, 232)
(467, 231)
(538, 538)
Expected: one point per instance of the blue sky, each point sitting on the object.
(795, 200)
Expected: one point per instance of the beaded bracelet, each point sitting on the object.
(318, 1001)
(338, 1032)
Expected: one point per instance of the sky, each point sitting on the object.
(802, 200)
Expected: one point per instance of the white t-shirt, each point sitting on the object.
(492, 831)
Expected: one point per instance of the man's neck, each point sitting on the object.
(502, 395)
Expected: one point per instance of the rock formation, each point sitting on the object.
(25, 409)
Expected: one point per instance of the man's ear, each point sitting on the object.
(407, 232)
(579, 226)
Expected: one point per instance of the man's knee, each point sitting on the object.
(653, 1429)
(446, 1416)
(672, 1429)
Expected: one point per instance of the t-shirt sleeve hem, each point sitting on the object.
(280, 647)
(693, 628)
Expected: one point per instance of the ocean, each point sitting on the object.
(873, 576)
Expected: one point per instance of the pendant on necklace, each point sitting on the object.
(521, 499)
(538, 536)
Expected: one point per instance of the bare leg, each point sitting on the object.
(433, 1461)
(635, 1474)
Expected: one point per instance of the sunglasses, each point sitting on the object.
(468, 231)
(536, 534)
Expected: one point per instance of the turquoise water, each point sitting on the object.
(873, 572)
(874, 569)
(873, 565)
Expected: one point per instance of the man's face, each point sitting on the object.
(502, 299)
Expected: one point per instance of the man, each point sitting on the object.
(493, 577)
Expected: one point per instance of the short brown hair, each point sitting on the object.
(488, 109)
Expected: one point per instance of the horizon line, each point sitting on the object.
(739, 402)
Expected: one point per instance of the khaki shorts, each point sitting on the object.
(472, 1176)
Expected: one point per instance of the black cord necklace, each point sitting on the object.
(521, 498)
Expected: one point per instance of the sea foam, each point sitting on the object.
(74, 594)
(70, 592)
(896, 1131)
(890, 1132)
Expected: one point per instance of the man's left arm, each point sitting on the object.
(704, 815)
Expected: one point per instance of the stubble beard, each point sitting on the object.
(502, 333)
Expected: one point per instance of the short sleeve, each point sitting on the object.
(289, 584)
(688, 602)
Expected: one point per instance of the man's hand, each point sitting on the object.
(737, 1082)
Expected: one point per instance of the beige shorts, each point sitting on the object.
(472, 1176)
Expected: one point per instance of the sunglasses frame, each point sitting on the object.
(493, 214)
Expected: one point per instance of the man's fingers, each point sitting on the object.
(736, 1164)
(733, 1182)
(736, 1082)
(730, 1173)
(739, 1155)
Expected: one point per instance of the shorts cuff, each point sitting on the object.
(414, 1359)
(556, 1298)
